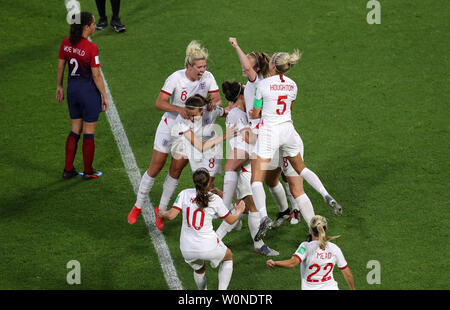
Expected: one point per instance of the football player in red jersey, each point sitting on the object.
(86, 94)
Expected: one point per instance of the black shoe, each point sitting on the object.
(118, 26)
(282, 216)
(70, 174)
(92, 175)
(102, 23)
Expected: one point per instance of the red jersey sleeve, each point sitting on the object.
(95, 61)
(61, 50)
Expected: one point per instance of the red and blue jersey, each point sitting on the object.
(80, 58)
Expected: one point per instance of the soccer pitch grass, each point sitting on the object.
(372, 110)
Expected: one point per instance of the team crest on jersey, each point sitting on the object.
(202, 85)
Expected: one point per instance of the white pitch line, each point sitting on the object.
(134, 175)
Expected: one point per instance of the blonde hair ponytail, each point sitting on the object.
(318, 227)
(284, 61)
(195, 51)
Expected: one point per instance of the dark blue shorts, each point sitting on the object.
(84, 101)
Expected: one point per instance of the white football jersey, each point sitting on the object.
(249, 97)
(180, 88)
(197, 231)
(317, 265)
(238, 118)
(278, 93)
(205, 129)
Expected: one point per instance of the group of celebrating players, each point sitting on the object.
(264, 146)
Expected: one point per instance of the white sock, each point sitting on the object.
(306, 207)
(253, 226)
(144, 188)
(223, 229)
(314, 181)
(279, 195)
(200, 280)
(225, 272)
(291, 198)
(259, 197)
(169, 187)
(229, 187)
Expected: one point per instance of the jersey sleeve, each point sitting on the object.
(95, 61)
(221, 210)
(213, 88)
(300, 253)
(169, 85)
(340, 259)
(178, 204)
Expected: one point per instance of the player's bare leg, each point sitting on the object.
(236, 159)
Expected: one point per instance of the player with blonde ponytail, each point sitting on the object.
(273, 103)
(317, 258)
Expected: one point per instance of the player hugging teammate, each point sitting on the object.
(264, 146)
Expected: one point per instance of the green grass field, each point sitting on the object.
(372, 110)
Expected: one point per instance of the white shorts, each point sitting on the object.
(240, 144)
(284, 164)
(281, 137)
(244, 188)
(197, 259)
(212, 164)
(163, 138)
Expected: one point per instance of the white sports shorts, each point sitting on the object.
(163, 137)
(197, 259)
(281, 137)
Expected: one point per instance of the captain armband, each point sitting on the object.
(257, 103)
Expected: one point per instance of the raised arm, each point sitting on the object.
(247, 68)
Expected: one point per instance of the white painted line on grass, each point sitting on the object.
(134, 175)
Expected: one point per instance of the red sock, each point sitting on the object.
(71, 150)
(88, 152)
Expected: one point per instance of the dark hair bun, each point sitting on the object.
(232, 90)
